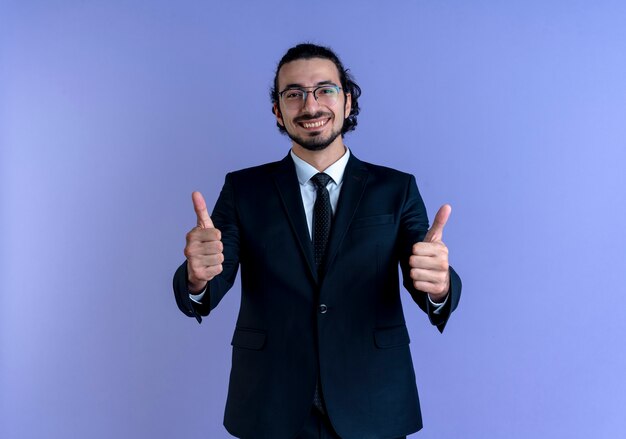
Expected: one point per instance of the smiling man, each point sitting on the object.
(309, 118)
(320, 348)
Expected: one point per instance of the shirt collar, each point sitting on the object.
(335, 171)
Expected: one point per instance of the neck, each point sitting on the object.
(322, 159)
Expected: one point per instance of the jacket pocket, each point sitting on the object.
(374, 220)
(391, 337)
(248, 338)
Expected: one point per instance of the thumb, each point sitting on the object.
(204, 220)
(435, 233)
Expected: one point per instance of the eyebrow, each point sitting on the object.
(327, 82)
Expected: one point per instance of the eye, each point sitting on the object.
(328, 91)
(292, 94)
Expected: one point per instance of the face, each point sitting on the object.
(313, 126)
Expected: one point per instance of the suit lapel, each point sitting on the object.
(288, 187)
(354, 179)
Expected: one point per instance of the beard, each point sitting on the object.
(314, 142)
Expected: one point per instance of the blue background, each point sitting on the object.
(111, 113)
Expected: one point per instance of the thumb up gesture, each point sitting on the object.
(429, 261)
(203, 249)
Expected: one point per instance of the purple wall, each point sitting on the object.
(111, 114)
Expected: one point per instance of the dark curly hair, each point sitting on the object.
(308, 51)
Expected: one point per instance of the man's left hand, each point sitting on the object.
(429, 261)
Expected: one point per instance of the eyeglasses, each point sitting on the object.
(295, 97)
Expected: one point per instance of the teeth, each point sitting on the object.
(314, 125)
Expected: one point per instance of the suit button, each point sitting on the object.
(323, 308)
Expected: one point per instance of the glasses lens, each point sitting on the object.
(326, 95)
(293, 97)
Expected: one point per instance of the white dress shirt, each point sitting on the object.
(308, 190)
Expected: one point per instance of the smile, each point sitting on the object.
(318, 124)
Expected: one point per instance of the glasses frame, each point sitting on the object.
(305, 92)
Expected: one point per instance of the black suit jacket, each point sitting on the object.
(346, 326)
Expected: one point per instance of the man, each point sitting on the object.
(320, 347)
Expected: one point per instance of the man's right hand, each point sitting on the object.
(204, 248)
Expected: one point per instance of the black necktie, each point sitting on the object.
(322, 217)
(321, 230)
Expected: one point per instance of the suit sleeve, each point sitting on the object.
(225, 219)
(413, 228)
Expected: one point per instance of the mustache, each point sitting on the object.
(317, 115)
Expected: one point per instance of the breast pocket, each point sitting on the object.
(372, 221)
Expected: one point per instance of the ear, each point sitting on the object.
(347, 106)
(278, 114)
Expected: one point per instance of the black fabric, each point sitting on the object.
(322, 218)
(318, 426)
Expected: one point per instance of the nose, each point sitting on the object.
(310, 102)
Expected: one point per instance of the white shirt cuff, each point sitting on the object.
(198, 297)
(437, 307)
